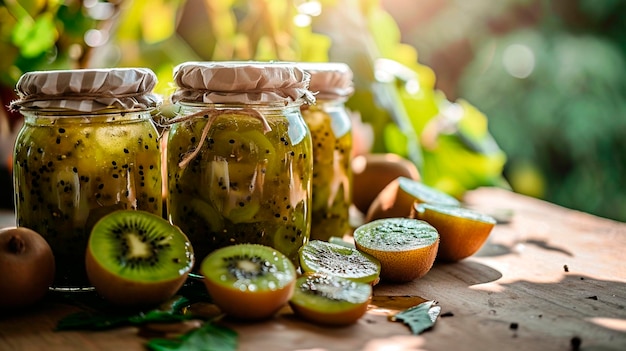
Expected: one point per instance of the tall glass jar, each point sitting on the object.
(239, 156)
(88, 146)
(331, 132)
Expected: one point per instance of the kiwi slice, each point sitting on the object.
(405, 247)
(234, 190)
(247, 144)
(136, 258)
(249, 281)
(318, 256)
(330, 300)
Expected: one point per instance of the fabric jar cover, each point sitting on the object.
(329, 80)
(87, 90)
(241, 82)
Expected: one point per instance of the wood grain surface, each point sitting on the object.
(548, 278)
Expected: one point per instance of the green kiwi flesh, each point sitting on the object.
(319, 256)
(426, 194)
(140, 246)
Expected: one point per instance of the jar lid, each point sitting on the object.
(87, 90)
(241, 82)
(330, 80)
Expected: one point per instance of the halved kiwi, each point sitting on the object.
(397, 198)
(318, 256)
(463, 231)
(405, 247)
(330, 300)
(249, 281)
(137, 258)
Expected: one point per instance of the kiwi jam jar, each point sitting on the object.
(331, 132)
(88, 146)
(239, 156)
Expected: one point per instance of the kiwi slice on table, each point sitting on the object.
(137, 258)
(330, 300)
(405, 247)
(318, 256)
(397, 198)
(249, 281)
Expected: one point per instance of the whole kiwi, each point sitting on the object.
(137, 258)
(26, 267)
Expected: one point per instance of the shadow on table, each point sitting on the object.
(493, 250)
(594, 309)
(467, 272)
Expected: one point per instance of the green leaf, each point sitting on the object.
(419, 318)
(395, 141)
(172, 311)
(34, 37)
(209, 337)
(102, 321)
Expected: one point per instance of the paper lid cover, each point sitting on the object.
(330, 80)
(241, 82)
(87, 90)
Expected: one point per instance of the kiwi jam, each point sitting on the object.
(331, 132)
(73, 167)
(239, 162)
(244, 185)
(332, 170)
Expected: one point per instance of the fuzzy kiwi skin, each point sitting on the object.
(124, 292)
(263, 305)
(330, 319)
(27, 268)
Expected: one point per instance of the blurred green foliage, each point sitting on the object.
(556, 97)
(448, 141)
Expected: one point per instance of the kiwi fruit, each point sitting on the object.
(372, 172)
(330, 300)
(318, 256)
(249, 281)
(27, 267)
(137, 258)
(397, 198)
(405, 247)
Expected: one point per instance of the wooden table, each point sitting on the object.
(548, 278)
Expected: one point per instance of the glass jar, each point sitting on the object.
(88, 146)
(239, 156)
(331, 132)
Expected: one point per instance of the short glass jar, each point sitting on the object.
(331, 132)
(88, 146)
(239, 156)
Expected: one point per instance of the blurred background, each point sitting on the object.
(523, 94)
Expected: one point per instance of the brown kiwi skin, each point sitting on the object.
(27, 267)
(124, 292)
(330, 319)
(372, 172)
